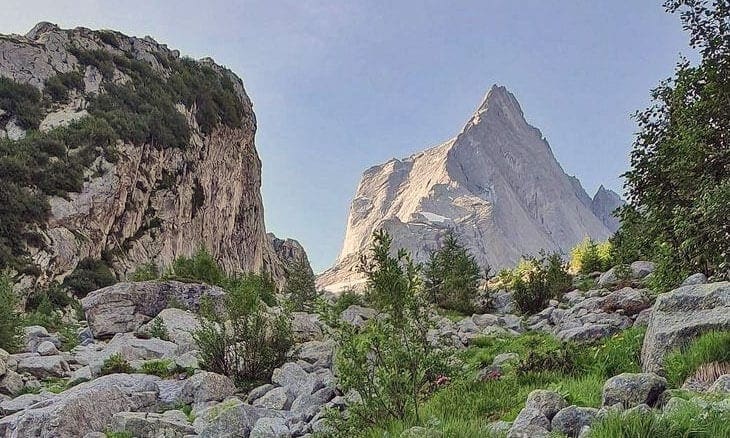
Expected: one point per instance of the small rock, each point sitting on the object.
(722, 384)
(571, 420)
(698, 278)
(206, 386)
(270, 428)
(46, 348)
(277, 399)
(633, 389)
(420, 432)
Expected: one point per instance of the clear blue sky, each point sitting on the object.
(339, 86)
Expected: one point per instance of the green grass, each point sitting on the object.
(683, 362)
(451, 314)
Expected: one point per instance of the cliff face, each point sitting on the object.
(604, 205)
(153, 202)
(497, 184)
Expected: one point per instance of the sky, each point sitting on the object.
(339, 86)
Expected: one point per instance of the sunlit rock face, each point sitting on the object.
(496, 184)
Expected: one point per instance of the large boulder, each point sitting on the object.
(179, 326)
(680, 316)
(630, 301)
(43, 366)
(87, 407)
(129, 347)
(571, 420)
(124, 307)
(306, 327)
(206, 386)
(172, 424)
(230, 419)
(534, 419)
(633, 389)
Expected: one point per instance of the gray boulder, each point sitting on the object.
(357, 315)
(179, 325)
(631, 389)
(44, 366)
(21, 402)
(698, 278)
(170, 424)
(231, 418)
(722, 384)
(640, 269)
(631, 301)
(124, 307)
(206, 386)
(306, 327)
(11, 383)
(680, 316)
(270, 428)
(47, 348)
(534, 419)
(571, 420)
(278, 399)
(129, 346)
(87, 407)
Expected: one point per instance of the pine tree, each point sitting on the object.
(452, 276)
(300, 286)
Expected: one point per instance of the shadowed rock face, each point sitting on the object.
(604, 204)
(497, 184)
(155, 203)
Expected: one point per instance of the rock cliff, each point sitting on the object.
(497, 184)
(604, 204)
(183, 173)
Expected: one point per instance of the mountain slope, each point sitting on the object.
(153, 158)
(497, 184)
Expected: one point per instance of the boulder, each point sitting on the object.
(571, 420)
(231, 418)
(124, 307)
(631, 389)
(297, 381)
(130, 347)
(640, 269)
(44, 366)
(11, 383)
(503, 302)
(170, 424)
(278, 399)
(87, 407)
(21, 402)
(35, 335)
(680, 316)
(698, 278)
(46, 348)
(631, 301)
(357, 315)
(722, 384)
(587, 333)
(534, 419)
(179, 325)
(316, 352)
(269, 427)
(306, 327)
(206, 386)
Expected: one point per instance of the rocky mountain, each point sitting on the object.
(604, 204)
(136, 155)
(496, 184)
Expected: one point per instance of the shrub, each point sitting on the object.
(59, 85)
(54, 294)
(589, 256)
(89, 275)
(159, 330)
(247, 342)
(161, 367)
(538, 280)
(200, 267)
(116, 363)
(390, 362)
(146, 272)
(10, 320)
(452, 276)
(683, 362)
(346, 299)
(300, 287)
(22, 101)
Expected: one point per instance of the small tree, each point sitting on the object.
(452, 276)
(10, 320)
(547, 279)
(390, 361)
(300, 287)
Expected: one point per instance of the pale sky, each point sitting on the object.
(339, 86)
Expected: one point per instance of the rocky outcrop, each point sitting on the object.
(288, 252)
(680, 316)
(604, 205)
(496, 184)
(154, 203)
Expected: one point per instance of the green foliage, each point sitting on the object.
(618, 354)
(22, 101)
(146, 272)
(159, 330)
(251, 342)
(679, 180)
(10, 320)
(346, 299)
(589, 256)
(689, 420)
(201, 267)
(390, 362)
(58, 87)
(547, 279)
(683, 362)
(54, 294)
(116, 363)
(161, 367)
(452, 276)
(89, 275)
(300, 287)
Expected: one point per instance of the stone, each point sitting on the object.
(306, 327)
(631, 301)
(179, 325)
(259, 392)
(277, 399)
(503, 302)
(421, 432)
(189, 360)
(125, 307)
(44, 366)
(534, 419)
(640, 269)
(317, 352)
(571, 420)
(487, 184)
(46, 348)
(499, 427)
(11, 383)
(504, 358)
(631, 389)
(681, 315)
(129, 347)
(231, 418)
(85, 408)
(698, 278)
(587, 333)
(21, 402)
(150, 424)
(722, 384)
(357, 315)
(295, 379)
(270, 428)
(206, 386)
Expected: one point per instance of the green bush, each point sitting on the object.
(247, 342)
(54, 293)
(390, 361)
(58, 86)
(346, 299)
(452, 276)
(547, 279)
(161, 368)
(22, 101)
(116, 363)
(683, 362)
(589, 256)
(89, 275)
(10, 320)
(159, 330)
(201, 267)
(689, 420)
(300, 288)
(146, 272)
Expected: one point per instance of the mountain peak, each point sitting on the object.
(499, 97)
